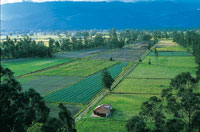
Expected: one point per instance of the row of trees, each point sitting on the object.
(22, 48)
(27, 111)
(26, 47)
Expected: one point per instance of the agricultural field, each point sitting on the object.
(81, 53)
(84, 90)
(168, 45)
(126, 54)
(170, 53)
(144, 81)
(80, 68)
(28, 65)
(47, 84)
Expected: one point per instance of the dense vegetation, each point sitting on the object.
(19, 110)
(23, 48)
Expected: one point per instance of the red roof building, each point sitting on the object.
(103, 110)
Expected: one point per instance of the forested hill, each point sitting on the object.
(99, 15)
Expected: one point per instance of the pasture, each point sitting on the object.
(80, 68)
(24, 66)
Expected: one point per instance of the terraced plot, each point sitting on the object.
(81, 68)
(24, 66)
(47, 84)
(126, 54)
(84, 90)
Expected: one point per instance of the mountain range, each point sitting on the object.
(50, 16)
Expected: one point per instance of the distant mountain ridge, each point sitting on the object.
(28, 16)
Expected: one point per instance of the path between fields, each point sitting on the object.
(118, 80)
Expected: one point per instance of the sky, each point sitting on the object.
(14, 1)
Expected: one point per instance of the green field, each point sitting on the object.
(82, 68)
(143, 86)
(143, 82)
(24, 66)
(98, 125)
(170, 53)
(174, 48)
(84, 90)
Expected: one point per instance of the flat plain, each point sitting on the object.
(144, 81)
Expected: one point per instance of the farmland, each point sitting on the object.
(84, 90)
(82, 53)
(47, 84)
(144, 81)
(24, 66)
(125, 54)
(76, 81)
(82, 68)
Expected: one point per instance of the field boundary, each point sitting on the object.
(117, 81)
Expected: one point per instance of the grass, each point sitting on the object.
(144, 86)
(125, 106)
(82, 68)
(96, 125)
(159, 71)
(24, 66)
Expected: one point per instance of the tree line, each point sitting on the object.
(27, 47)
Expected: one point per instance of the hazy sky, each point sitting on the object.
(14, 1)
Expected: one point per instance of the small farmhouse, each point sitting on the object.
(103, 110)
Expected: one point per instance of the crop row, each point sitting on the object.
(84, 90)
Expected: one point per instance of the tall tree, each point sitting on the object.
(107, 79)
